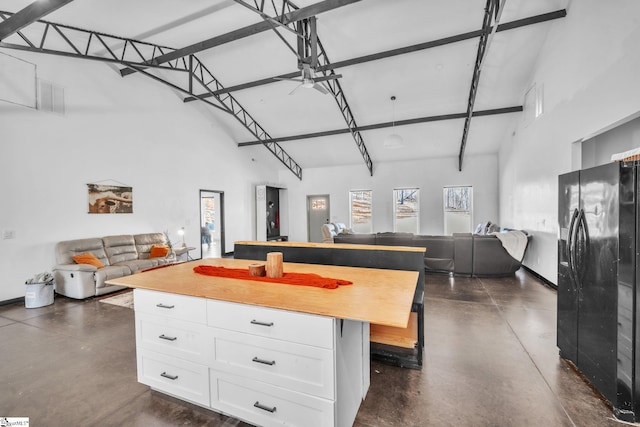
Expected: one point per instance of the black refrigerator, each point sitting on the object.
(597, 270)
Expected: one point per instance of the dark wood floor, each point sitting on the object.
(490, 360)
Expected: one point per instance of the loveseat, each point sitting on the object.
(119, 255)
(461, 254)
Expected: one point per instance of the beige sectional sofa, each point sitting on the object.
(121, 255)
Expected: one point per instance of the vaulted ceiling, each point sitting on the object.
(458, 69)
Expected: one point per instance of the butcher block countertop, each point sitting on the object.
(382, 297)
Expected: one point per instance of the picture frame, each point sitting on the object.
(109, 199)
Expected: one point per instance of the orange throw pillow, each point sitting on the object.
(88, 258)
(158, 251)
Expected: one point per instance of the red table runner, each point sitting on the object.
(300, 279)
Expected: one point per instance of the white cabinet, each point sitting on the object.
(266, 405)
(266, 322)
(265, 366)
(173, 344)
(171, 306)
(174, 376)
(297, 367)
(186, 340)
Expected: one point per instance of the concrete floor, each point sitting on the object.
(490, 360)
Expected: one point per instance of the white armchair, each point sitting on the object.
(330, 230)
(341, 228)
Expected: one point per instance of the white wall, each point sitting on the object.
(131, 130)
(431, 176)
(589, 68)
(598, 150)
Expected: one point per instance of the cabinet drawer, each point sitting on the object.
(172, 306)
(266, 405)
(297, 367)
(186, 340)
(266, 322)
(180, 378)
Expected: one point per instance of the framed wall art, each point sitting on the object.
(110, 199)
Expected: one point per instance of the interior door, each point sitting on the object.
(318, 213)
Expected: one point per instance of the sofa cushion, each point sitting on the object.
(66, 250)
(158, 251)
(491, 259)
(360, 239)
(394, 239)
(120, 248)
(437, 246)
(144, 243)
(88, 258)
(138, 264)
(439, 256)
(463, 253)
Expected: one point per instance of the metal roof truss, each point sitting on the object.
(63, 40)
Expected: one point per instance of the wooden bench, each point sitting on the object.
(399, 346)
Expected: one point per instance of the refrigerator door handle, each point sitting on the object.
(584, 255)
(571, 247)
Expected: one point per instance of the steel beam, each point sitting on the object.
(384, 125)
(176, 87)
(493, 11)
(204, 77)
(404, 50)
(297, 15)
(338, 94)
(260, 10)
(28, 15)
(113, 49)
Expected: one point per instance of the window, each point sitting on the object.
(533, 103)
(406, 210)
(319, 204)
(360, 211)
(458, 209)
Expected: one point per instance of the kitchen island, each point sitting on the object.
(267, 353)
(401, 346)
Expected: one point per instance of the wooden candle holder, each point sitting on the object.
(274, 265)
(257, 270)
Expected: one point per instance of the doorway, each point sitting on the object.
(212, 223)
(318, 213)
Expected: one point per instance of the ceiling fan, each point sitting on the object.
(308, 80)
(307, 53)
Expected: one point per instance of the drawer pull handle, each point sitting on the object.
(171, 377)
(161, 305)
(165, 337)
(264, 408)
(255, 322)
(264, 362)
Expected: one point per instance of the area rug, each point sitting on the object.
(124, 299)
